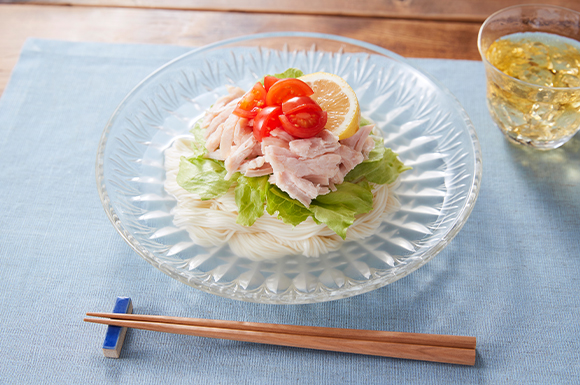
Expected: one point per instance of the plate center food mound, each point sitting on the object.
(243, 178)
(419, 120)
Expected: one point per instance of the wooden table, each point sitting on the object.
(411, 28)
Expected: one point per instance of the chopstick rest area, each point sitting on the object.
(115, 336)
(413, 346)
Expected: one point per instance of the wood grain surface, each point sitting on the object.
(412, 28)
(410, 38)
(462, 10)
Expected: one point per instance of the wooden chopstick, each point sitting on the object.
(425, 347)
(371, 335)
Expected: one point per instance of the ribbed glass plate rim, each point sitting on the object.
(142, 251)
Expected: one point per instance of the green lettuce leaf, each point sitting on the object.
(289, 73)
(382, 166)
(338, 209)
(363, 121)
(204, 177)
(377, 152)
(289, 210)
(198, 143)
(356, 197)
(338, 219)
(250, 196)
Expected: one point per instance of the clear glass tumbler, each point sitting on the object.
(535, 97)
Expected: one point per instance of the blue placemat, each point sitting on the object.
(510, 277)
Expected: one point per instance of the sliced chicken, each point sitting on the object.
(233, 162)
(212, 142)
(298, 188)
(227, 137)
(219, 105)
(357, 141)
(219, 119)
(266, 169)
(242, 131)
(281, 134)
(324, 143)
(349, 158)
(282, 159)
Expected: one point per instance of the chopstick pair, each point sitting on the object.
(413, 346)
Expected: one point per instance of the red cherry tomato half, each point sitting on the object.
(269, 81)
(252, 102)
(291, 104)
(285, 89)
(304, 121)
(266, 121)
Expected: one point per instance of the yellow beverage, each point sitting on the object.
(538, 102)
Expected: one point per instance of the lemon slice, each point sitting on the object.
(335, 97)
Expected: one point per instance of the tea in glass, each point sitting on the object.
(533, 78)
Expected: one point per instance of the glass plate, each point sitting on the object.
(421, 121)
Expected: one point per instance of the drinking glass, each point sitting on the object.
(528, 110)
